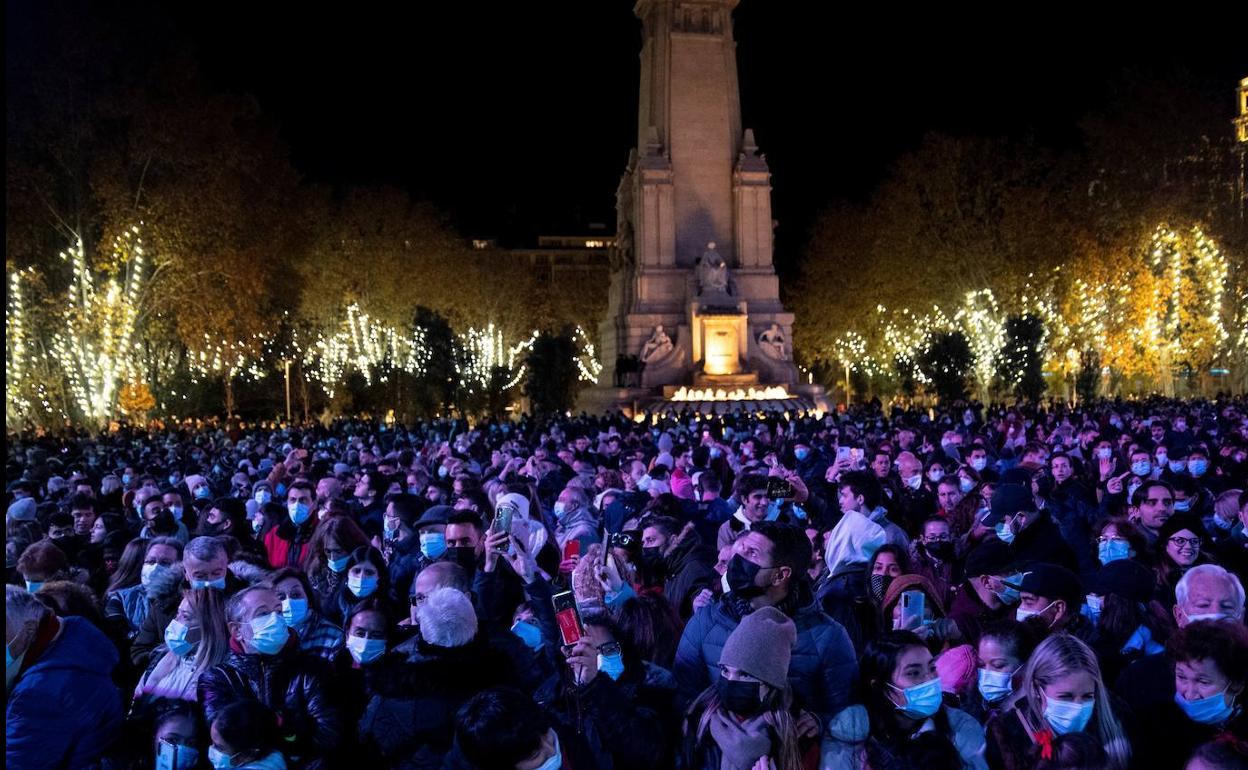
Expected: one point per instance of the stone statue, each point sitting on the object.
(771, 342)
(712, 272)
(657, 346)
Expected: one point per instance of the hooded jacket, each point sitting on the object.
(849, 731)
(64, 710)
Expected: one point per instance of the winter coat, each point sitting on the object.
(619, 731)
(287, 545)
(690, 567)
(63, 710)
(849, 732)
(1073, 510)
(822, 670)
(844, 598)
(971, 614)
(128, 607)
(298, 687)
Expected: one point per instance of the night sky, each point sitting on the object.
(518, 117)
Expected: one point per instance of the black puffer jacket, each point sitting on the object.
(297, 686)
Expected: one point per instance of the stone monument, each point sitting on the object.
(694, 296)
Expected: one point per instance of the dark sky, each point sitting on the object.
(518, 116)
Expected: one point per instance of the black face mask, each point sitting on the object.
(652, 559)
(940, 549)
(879, 587)
(463, 555)
(741, 576)
(741, 698)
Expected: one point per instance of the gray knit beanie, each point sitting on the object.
(761, 646)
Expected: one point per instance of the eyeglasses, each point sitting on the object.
(1183, 542)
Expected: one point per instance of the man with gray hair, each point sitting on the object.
(63, 709)
(1205, 592)
(205, 564)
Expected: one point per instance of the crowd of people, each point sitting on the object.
(1005, 587)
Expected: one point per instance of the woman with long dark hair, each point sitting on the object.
(902, 720)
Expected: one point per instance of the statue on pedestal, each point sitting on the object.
(771, 342)
(712, 272)
(657, 346)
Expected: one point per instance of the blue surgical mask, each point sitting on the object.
(715, 452)
(281, 489)
(257, 525)
(413, 491)
(125, 479)
(299, 512)
(611, 665)
(801, 454)
(175, 638)
(1178, 466)
(1113, 550)
(1067, 716)
(365, 651)
(1004, 533)
(34, 585)
(994, 685)
(264, 496)
(173, 481)
(1022, 614)
(218, 584)
(202, 492)
(936, 474)
(529, 633)
(1141, 468)
(432, 544)
(363, 587)
(269, 633)
(922, 700)
(176, 756)
(294, 611)
(1213, 710)
(978, 463)
(965, 484)
(1092, 607)
(1009, 595)
(1183, 505)
(1197, 467)
(560, 509)
(338, 565)
(443, 471)
(219, 759)
(556, 760)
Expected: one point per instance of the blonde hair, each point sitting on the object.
(777, 714)
(208, 607)
(1056, 657)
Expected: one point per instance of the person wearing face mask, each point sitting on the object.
(366, 577)
(196, 639)
(575, 520)
(1210, 672)
(1205, 592)
(246, 735)
(398, 526)
(61, 709)
(912, 502)
(1117, 604)
(602, 683)
(264, 664)
(1000, 654)
(328, 553)
(901, 715)
(746, 717)
(768, 569)
(983, 597)
(409, 702)
(228, 516)
(1073, 507)
(287, 543)
(1060, 693)
(301, 609)
(178, 740)
(933, 555)
(674, 557)
(1051, 599)
(1030, 533)
(427, 547)
(848, 551)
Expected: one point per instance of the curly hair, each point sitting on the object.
(1226, 644)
